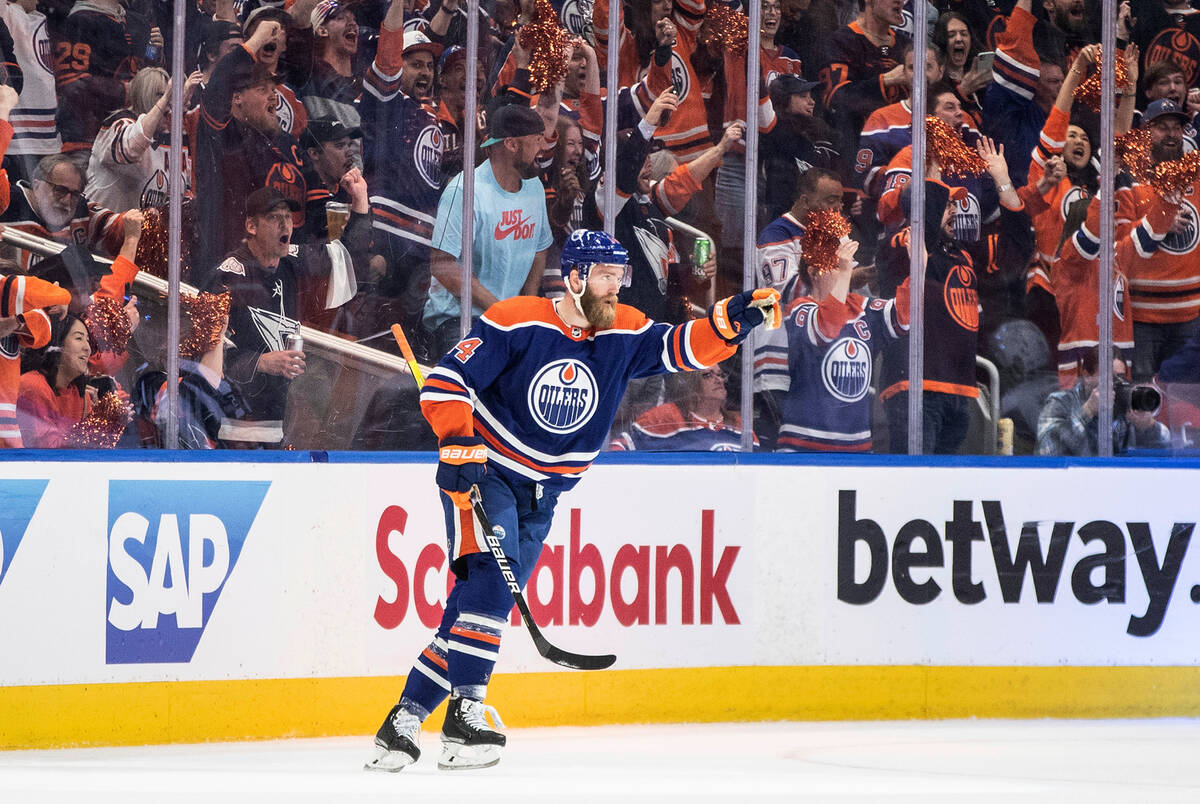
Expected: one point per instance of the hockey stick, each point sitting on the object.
(576, 661)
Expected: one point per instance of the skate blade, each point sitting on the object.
(389, 761)
(456, 756)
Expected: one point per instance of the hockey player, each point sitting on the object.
(521, 406)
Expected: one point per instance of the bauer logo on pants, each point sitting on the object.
(18, 500)
(172, 545)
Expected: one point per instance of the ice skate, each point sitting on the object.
(397, 742)
(468, 740)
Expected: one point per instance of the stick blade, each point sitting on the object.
(575, 661)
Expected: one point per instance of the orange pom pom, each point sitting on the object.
(945, 144)
(207, 315)
(108, 325)
(725, 29)
(103, 426)
(547, 41)
(823, 233)
(1088, 92)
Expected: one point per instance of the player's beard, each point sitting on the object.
(597, 310)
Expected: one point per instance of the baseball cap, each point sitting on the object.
(267, 199)
(512, 120)
(1161, 108)
(415, 40)
(263, 13)
(216, 32)
(453, 54)
(326, 129)
(789, 85)
(327, 10)
(246, 75)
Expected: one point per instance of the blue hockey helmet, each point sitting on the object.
(585, 248)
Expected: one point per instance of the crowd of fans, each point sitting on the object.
(323, 182)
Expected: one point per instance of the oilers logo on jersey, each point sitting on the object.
(1183, 239)
(846, 369)
(427, 155)
(680, 81)
(562, 396)
(961, 296)
(41, 46)
(577, 17)
(1119, 296)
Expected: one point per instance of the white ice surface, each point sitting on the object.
(944, 761)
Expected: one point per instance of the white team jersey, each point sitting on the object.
(128, 170)
(34, 122)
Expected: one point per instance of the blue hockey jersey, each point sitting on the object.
(830, 350)
(542, 394)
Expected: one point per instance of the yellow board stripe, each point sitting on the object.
(60, 716)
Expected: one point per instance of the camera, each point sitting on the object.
(1128, 397)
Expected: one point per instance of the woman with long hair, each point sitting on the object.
(54, 395)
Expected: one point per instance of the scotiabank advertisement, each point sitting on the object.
(113, 572)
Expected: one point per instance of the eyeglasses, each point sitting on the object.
(62, 192)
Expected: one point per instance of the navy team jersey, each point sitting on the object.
(669, 428)
(828, 405)
(541, 394)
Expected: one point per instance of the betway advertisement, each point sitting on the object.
(137, 572)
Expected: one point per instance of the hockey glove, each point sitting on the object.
(462, 462)
(733, 318)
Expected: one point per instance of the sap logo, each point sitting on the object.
(18, 500)
(172, 545)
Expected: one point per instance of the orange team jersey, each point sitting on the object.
(24, 296)
(735, 98)
(1165, 282)
(113, 286)
(1075, 275)
(628, 59)
(686, 134)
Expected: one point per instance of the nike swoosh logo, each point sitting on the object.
(506, 231)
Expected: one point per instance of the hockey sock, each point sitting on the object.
(428, 683)
(474, 648)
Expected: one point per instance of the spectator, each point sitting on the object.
(1167, 30)
(1069, 421)
(99, 48)
(674, 66)
(511, 233)
(863, 68)
(800, 140)
(35, 132)
(951, 321)
(420, 55)
(130, 164)
(52, 205)
(952, 36)
(1165, 80)
(568, 187)
(452, 104)
(336, 79)
(658, 284)
(889, 129)
(402, 160)
(287, 55)
(1165, 285)
(1017, 103)
(240, 147)
(266, 278)
(696, 420)
(330, 149)
(55, 395)
(833, 335)
(212, 413)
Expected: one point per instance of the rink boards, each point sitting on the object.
(179, 602)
